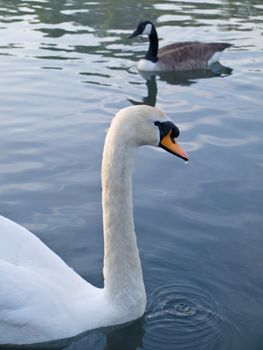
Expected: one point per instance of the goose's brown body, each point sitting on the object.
(188, 55)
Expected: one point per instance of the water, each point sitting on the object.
(66, 68)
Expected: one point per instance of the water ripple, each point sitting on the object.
(187, 317)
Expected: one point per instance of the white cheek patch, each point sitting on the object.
(147, 29)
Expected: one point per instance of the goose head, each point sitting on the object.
(146, 125)
(143, 28)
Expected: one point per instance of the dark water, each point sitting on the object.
(66, 67)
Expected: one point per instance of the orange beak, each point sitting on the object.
(171, 146)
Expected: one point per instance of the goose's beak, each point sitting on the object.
(135, 33)
(171, 146)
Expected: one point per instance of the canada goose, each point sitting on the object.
(41, 297)
(180, 56)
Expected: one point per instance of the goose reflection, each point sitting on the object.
(150, 99)
(178, 78)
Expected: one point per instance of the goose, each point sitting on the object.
(182, 56)
(41, 297)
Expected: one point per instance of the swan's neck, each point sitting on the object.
(122, 267)
(153, 46)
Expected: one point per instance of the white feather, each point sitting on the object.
(146, 65)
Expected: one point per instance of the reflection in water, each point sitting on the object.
(152, 90)
(178, 78)
(128, 338)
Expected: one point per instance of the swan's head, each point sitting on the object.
(143, 28)
(145, 125)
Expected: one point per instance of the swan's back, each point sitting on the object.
(37, 288)
(28, 304)
(21, 248)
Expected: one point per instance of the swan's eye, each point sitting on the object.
(175, 132)
(167, 128)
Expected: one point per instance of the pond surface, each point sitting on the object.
(66, 68)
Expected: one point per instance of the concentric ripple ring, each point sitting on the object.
(187, 317)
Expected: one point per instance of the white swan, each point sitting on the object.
(42, 298)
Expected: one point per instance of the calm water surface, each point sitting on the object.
(66, 68)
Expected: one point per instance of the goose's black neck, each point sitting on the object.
(153, 46)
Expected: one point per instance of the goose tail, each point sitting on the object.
(223, 46)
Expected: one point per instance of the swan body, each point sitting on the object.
(180, 56)
(41, 297)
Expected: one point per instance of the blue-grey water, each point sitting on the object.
(66, 67)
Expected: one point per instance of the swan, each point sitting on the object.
(180, 56)
(41, 297)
